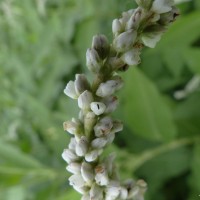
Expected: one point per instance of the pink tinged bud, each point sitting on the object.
(74, 168)
(87, 172)
(111, 103)
(96, 192)
(93, 60)
(101, 176)
(81, 83)
(99, 143)
(69, 156)
(93, 155)
(117, 27)
(125, 40)
(70, 90)
(98, 108)
(109, 87)
(103, 127)
(84, 100)
(82, 146)
(162, 6)
(151, 39)
(132, 57)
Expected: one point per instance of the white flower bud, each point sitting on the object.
(116, 63)
(126, 16)
(76, 180)
(151, 39)
(98, 108)
(72, 144)
(70, 90)
(93, 60)
(123, 193)
(89, 122)
(162, 6)
(72, 127)
(81, 83)
(134, 20)
(69, 156)
(103, 127)
(82, 190)
(99, 143)
(117, 126)
(117, 27)
(96, 192)
(85, 99)
(109, 87)
(125, 40)
(132, 57)
(112, 192)
(82, 146)
(87, 172)
(74, 168)
(111, 103)
(101, 45)
(101, 176)
(93, 155)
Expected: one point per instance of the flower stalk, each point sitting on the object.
(95, 129)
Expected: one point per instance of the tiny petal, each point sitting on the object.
(87, 172)
(72, 144)
(132, 57)
(134, 20)
(110, 137)
(93, 60)
(111, 103)
(72, 127)
(109, 87)
(151, 39)
(101, 176)
(81, 83)
(69, 156)
(96, 192)
(123, 193)
(82, 190)
(70, 90)
(125, 40)
(117, 126)
(117, 27)
(82, 146)
(74, 168)
(98, 108)
(76, 180)
(99, 143)
(92, 155)
(85, 100)
(162, 6)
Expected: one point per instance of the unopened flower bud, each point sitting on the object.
(69, 156)
(112, 191)
(116, 63)
(123, 193)
(103, 127)
(82, 190)
(96, 192)
(72, 144)
(72, 127)
(93, 60)
(70, 90)
(81, 83)
(101, 45)
(85, 99)
(151, 39)
(117, 126)
(99, 143)
(76, 180)
(162, 6)
(117, 27)
(74, 167)
(101, 176)
(131, 57)
(82, 146)
(89, 122)
(109, 87)
(87, 172)
(134, 20)
(92, 155)
(125, 40)
(111, 103)
(98, 108)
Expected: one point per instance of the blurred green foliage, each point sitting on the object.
(42, 46)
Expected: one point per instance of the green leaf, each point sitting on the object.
(144, 110)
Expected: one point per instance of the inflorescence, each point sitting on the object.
(94, 129)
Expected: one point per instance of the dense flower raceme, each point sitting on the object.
(95, 178)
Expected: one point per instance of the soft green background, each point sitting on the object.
(42, 46)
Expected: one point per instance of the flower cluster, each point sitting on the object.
(94, 129)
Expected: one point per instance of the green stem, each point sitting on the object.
(150, 154)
